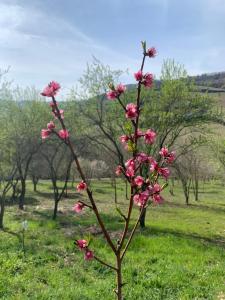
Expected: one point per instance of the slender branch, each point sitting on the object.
(132, 233)
(89, 192)
(134, 153)
(104, 263)
(85, 204)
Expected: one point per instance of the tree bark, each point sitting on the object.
(142, 218)
(35, 182)
(196, 189)
(55, 210)
(2, 206)
(22, 194)
(126, 190)
(119, 278)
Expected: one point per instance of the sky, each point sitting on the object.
(44, 40)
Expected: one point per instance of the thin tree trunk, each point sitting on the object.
(196, 189)
(22, 194)
(15, 192)
(55, 210)
(35, 182)
(115, 190)
(126, 190)
(2, 199)
(142, 219)
(119, 278)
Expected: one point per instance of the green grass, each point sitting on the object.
(180, 254)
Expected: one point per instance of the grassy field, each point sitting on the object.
(180, 254)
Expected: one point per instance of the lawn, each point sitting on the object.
(180, 254)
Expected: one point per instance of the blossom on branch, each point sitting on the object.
(131, 111)
(116, 92)
(139, 180)
(81, 186)
(45, 133)
(168, 156)
(150, 136)
(78, 207)
(82, 244)
(151, 52)
(63, 134)
(89, 255)
(51, 125)
(51, 89)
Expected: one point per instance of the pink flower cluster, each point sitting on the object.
(145, 189)
(169, 157)
(151, 52)
(83, 246)
(50, 91)
(149, 137)
(131, 111)
(153, 191)
(116, 92)
(145, 79)
(81, 186)
(78, 207)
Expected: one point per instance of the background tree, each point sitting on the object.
(59, 163)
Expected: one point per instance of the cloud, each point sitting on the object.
(40, 47)
(42, 41)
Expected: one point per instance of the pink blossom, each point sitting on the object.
(142, 198)
(51, 125)
(81, 186)
(119, 170)
(151, 52)
(131, 111)
(164, 152)
(154, 165)
(111, 95)
(138, 75)
(82, 244)
(51, 89)
(56, 114)
(124, 139)
(78, 207)
(139, 180)
(139, 133)
(156, 188)
(170, 157)
(63, 134)
(150, 136)
(142, 157)
(120, 89)
(165, 172)
(130, 162)
(147, 80)
(89, 255)
(157, 198)
(61, 111)
(130, 167)
(45, 133)
(130, 171)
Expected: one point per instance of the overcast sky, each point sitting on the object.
(44, 40)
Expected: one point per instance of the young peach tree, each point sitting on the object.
(144, 185)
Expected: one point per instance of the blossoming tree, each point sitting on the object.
(145, 188)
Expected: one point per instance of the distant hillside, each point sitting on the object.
(214, 80)
(211, 83)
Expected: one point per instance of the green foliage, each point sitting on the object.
(180, 255)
